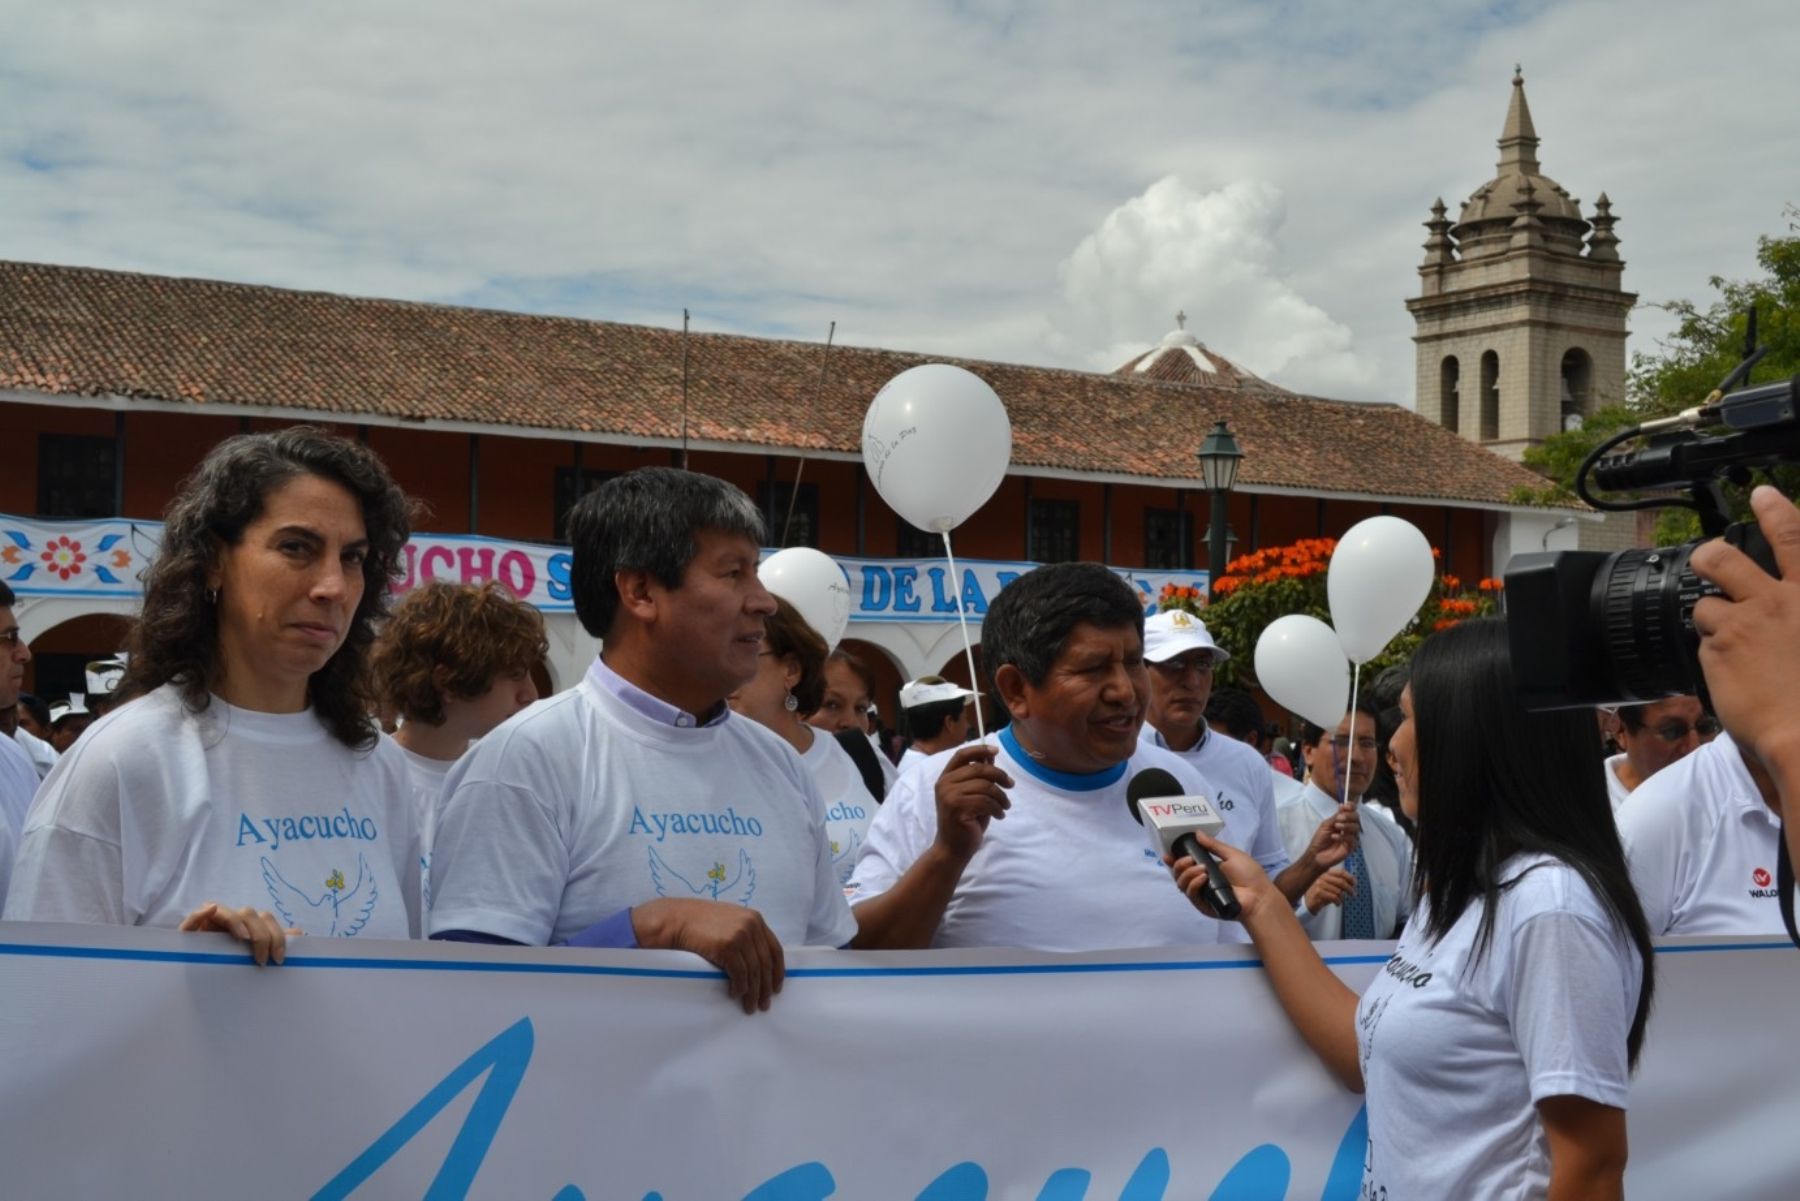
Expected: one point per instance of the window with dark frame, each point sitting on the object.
(1167, 533)
(571, 485)
(911, 542)
(803, 528)
(75, 475)
(1055, 531)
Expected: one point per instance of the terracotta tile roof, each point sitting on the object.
(72, 331)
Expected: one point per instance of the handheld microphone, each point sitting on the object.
(1173, 818)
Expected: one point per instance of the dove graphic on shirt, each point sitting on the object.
(334, 905)
(843, 856)
(736, 890)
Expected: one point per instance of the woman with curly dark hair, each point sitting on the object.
(244, 788)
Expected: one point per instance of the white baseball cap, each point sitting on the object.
(1176, 631)
(929, 690)
(103, 676)
(75, 706)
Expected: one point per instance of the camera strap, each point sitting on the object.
(1784, 882)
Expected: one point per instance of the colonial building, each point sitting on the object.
(113, 385)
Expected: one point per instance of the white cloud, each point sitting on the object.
(916, 171)
(1214, 255)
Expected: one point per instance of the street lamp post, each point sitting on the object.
(1219, 457)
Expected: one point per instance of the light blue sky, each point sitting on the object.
(1041, 183)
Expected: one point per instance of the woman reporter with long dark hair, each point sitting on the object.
(244, 788)
(1497, 1044)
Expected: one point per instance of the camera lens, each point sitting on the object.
(1642, 606)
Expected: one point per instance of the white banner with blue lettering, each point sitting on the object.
(925, 590)
(152, 1064)
(107, 558)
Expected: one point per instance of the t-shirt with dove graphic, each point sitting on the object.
(580, 807)
(158, 810)
(848, 806)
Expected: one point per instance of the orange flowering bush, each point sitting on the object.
(1273, 582)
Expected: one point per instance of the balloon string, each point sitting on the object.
(1355, 685)
(962, 619)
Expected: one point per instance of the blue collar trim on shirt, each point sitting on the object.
(1067, 781)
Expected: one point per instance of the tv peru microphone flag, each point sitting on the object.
(1160, 806)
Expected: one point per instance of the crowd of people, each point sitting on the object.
(712, 785)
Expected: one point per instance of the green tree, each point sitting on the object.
(1706, 344)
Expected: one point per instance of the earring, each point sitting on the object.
(212, 596)
(791, 704)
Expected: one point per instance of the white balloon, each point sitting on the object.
(814, 584)
(1300, 663)
(936, 442)
(1380, 574)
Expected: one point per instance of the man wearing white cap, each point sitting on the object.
(1182, 654)
(69, 720)
(103, 678)
(934, 713)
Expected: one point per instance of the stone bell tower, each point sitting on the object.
(1520, 320)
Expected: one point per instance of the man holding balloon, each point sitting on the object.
(1182, 654)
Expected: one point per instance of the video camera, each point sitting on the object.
(1598, 628)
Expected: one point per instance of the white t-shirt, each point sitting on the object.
(1245, 787)
(43, 756)
(908, 758)
(848, 806)
(1067, 868)
(1703, 845)
(427, 776)
(1287, 789)
(1616, 791)
(158, 810)
(1456, 1054)
(17, 780)
(18, 784)
(580, 807)
(1387, 852)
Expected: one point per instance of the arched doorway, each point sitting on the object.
(60, 655)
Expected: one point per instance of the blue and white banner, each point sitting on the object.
(925, 589)
(107, 559)
(152, 1064)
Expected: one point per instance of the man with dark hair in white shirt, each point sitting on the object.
(1026, 840)
(635, 810)
(15, 653)
(1370, 895)
(1652, 737)
(935, 714)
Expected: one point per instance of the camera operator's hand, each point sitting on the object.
(1750, 646)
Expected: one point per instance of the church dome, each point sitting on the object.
(1181, 358)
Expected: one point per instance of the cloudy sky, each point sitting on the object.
(1042, 183)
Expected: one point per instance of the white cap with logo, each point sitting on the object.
(103, 675)
(929, 690)
(1175, 632)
